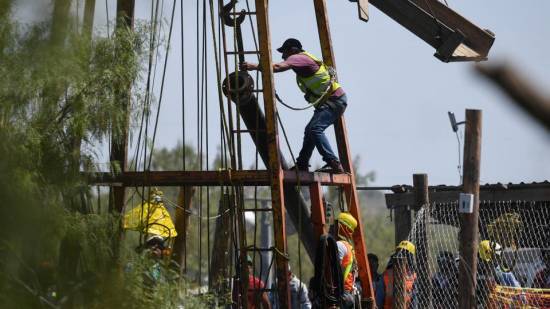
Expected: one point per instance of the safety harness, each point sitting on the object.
(316, 88)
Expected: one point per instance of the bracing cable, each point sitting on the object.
(205, 51)
(223, 123)
(182, 37)
(199, 136)
(154, 16)
(145, 108)
(162, 84)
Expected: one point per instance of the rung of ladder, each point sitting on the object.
(257, 209)
(258, 90)
(246, 52)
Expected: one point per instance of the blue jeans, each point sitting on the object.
(323, 117)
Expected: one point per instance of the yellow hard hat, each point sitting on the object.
(487, 249)
(407, 246)
(348, 220)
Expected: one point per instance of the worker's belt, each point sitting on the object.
(334, 105)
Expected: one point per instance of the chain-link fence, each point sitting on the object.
(513, 257)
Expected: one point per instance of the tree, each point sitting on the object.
(48, 92)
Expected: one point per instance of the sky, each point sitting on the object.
(398, 93)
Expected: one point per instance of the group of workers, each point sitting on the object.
(397, 282)
(302, 298)
(318, 83)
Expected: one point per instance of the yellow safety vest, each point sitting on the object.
(316, 85)
(347, 265)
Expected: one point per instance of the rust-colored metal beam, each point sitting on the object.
(345, 157)
(276, 172)
(317, 209)
(325, 179)
(214, 178)
(179, 178)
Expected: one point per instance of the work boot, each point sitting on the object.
(300, 167)
(333, 167)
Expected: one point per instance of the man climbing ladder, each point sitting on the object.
(321, 90)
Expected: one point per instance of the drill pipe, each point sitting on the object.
(254, 119)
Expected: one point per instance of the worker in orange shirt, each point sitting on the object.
(346, 256)
(404, 253)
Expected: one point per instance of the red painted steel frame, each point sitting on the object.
(317, 209)
(276, 172)
(345, 157)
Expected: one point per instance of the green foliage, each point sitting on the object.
(56, 98)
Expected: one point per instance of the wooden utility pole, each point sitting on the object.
(468, 236)
(119, 141)
(402, 223)
(420, 183)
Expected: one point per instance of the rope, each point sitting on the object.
(207, 135)
(291, 107)
(223, 123)
(182, 89)
(162, 84)
(200, 83)
(189, 212)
